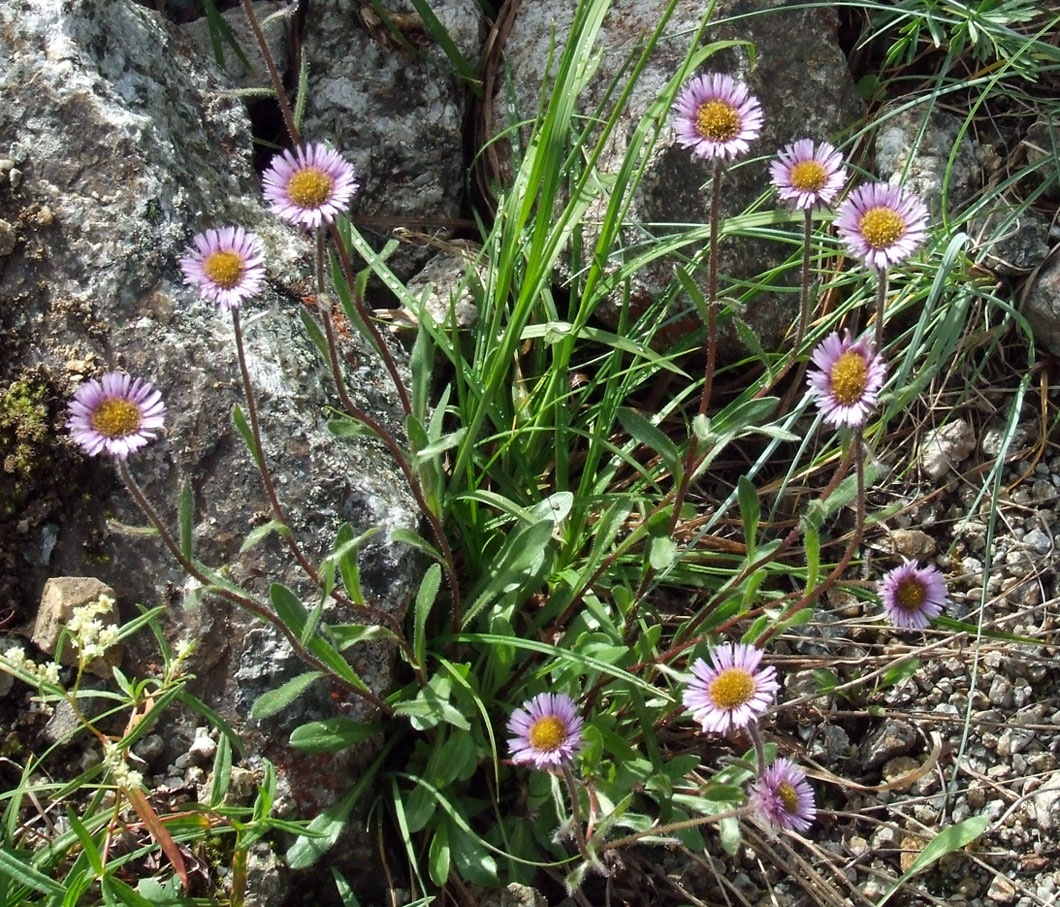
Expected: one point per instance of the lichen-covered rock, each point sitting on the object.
(800, 77)
(125, 138)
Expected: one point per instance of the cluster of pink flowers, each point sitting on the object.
(117, 415)
(731, 692)
(880, 224)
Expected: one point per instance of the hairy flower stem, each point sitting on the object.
(576, 814)
(859, 528)
(800, 329)
(437, 530)
(244, 601)
(881, 302)
(760, 751)
(274, 73)
(278, 512)
(712, 290)
(347, 266)
(374, 335)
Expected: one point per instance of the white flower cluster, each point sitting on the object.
(15, 661)
(89, 634)
(120, 773)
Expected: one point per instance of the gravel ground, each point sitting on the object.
(926, 729)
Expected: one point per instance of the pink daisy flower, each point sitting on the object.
(733, 690)
(881, 224)
(116, 415)
(309, 187)
(717, 117)
(226, 266)
(547, 731)
(912, 595)
(782, 798)
(848, 379)
(808, 175)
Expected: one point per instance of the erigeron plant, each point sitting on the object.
(559, 615)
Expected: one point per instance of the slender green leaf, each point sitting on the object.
(348, 428)
(947, 841)
(24, 874)
(415, 540)
(750, 513)
(276, 700)
(328, 825)
(426, 596)
(315, 333)
(642, 431)
(128, 896)
(438, 860)
(346, 635)
(259, 533)
(222, 771)
(332, 734)
(243, 427)
(88, 845)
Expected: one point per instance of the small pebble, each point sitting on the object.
(1001, 890)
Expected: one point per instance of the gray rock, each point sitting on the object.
(946, 447)
(1040, 145)
(267, 878)
(800, 77)
(992, 440)
(1013, 239)
(912, 543)
(8, 238)
(1041, 301)
(443, 285)
(61, 597)
(830, 744)
(134, 146)
(890, 739)
(149, 747)
(929, 158)
(515, 895)
(275, 18)
(397, 116)
(1038, 542)
(203, 748)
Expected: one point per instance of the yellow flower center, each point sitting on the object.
(881, 227)
(910, 594)
(732, 688)
(116, 417)
(224, 268)
(849, 376)
(548, 733)
(788, 798)
(310, 187)
(809, 176)
(718, 121)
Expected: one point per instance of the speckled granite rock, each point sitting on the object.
(123, 137)
(398, 116)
